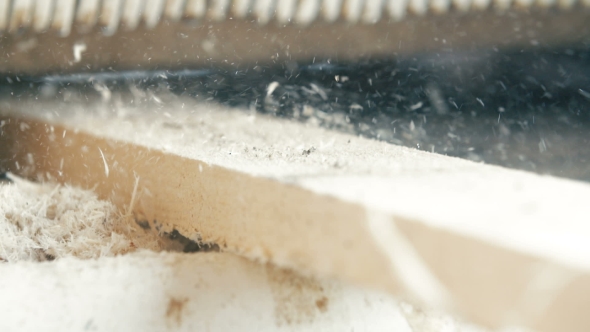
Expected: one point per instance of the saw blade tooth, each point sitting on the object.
(440, 6)
(523, 4)
(286, 11)
(566, 4)
(63, 17)
(353, 10)
(174, 10)
(152, 12)
(264, 10)
(195, 9)
(373, 11)
(87, 14)
(397, 9)
(21, 15)
(481, 4)
(241, 8)
(110, 16)
(4, 15)
(132, 12)
(331, 10)
(418, 7)
(502, 5)
(462, 6)
(218, 9)
(307, 11)
(43, 15)
(546, 3)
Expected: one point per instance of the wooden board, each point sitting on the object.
(501, 247)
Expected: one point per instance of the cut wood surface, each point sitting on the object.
(502, 247)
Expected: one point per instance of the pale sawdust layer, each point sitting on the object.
(40, 222)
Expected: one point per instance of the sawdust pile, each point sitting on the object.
(40, 222)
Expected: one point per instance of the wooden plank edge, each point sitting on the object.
(312, 233)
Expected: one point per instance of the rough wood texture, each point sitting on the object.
(502, 247)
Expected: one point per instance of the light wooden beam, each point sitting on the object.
(501, 247)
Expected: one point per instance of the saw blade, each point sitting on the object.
(63, 15)
(49, 36)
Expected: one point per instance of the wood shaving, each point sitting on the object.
(40, 222)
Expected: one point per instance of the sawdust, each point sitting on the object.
(298, 299)
(175, 308)
(41, 222)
